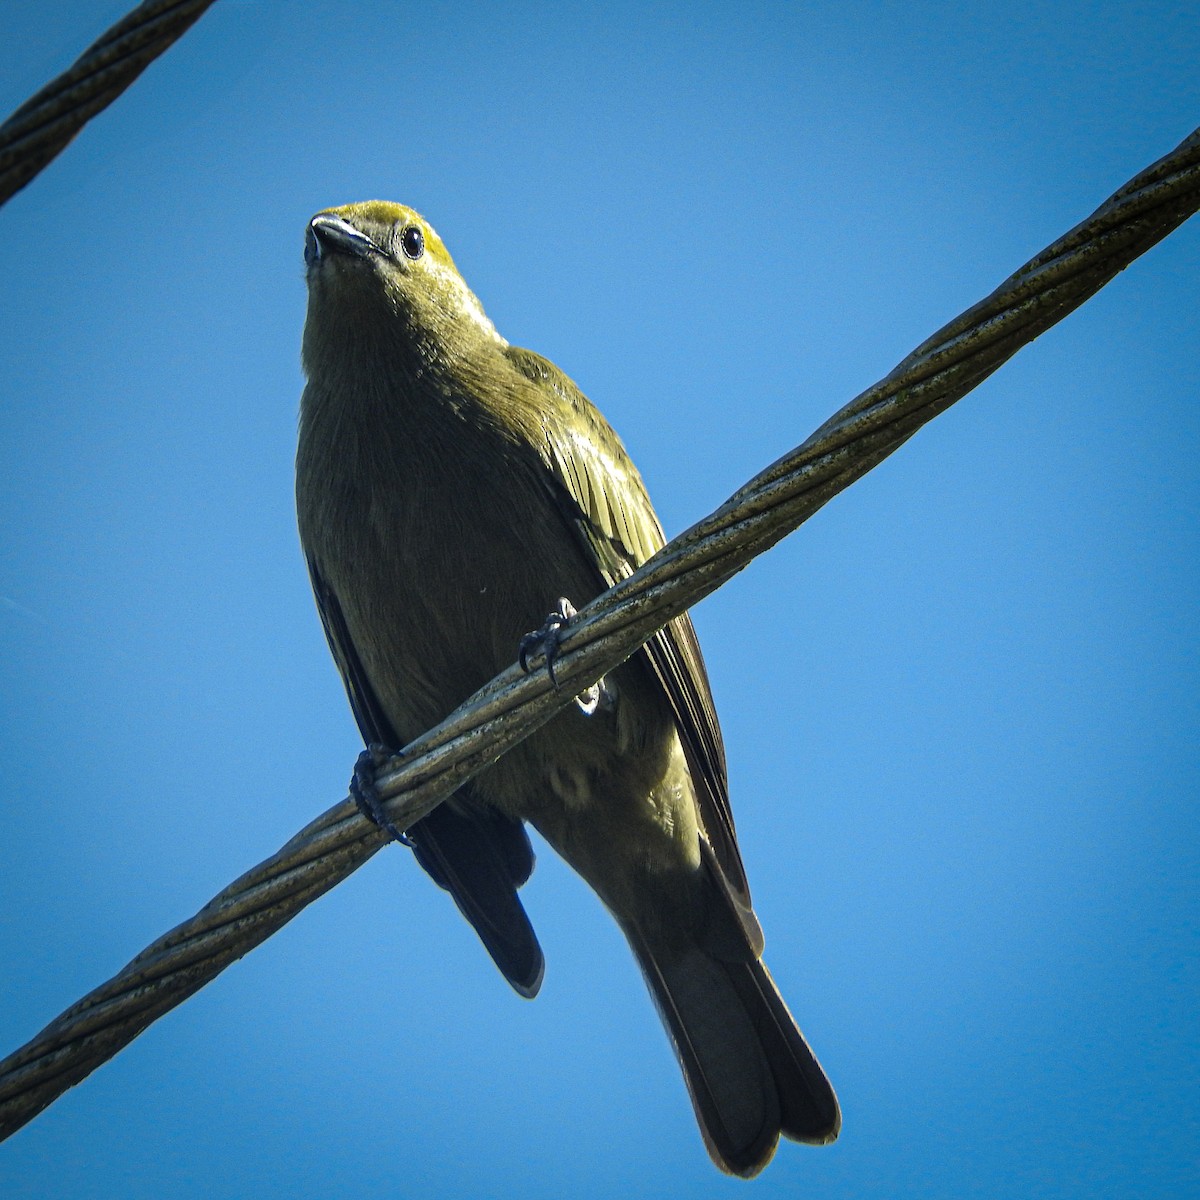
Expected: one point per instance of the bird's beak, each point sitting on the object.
(328, 234)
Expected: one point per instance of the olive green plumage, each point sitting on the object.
(449, 488)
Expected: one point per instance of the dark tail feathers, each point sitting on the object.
(748, 1069)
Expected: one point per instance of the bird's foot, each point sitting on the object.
(366, 795)
(547, 641)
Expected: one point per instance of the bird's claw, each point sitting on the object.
(547, 639)
(366, 795)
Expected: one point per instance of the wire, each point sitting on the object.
(939, 372)
(35, 134)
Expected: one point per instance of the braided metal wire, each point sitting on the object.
(867, 430)
(46, 122)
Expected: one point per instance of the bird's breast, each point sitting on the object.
(443, 543)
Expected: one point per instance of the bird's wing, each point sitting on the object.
(606, 502)
(368, 712)
(477, 854)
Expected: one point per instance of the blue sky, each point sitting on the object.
(960, 705)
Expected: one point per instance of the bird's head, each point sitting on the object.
(379, 263)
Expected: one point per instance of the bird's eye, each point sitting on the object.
(412, 241)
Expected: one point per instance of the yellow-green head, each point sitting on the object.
(376, 261)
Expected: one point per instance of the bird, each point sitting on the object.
(450, 487)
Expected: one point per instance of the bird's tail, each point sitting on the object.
(748, 1069)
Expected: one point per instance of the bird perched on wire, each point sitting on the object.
(449, 488)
